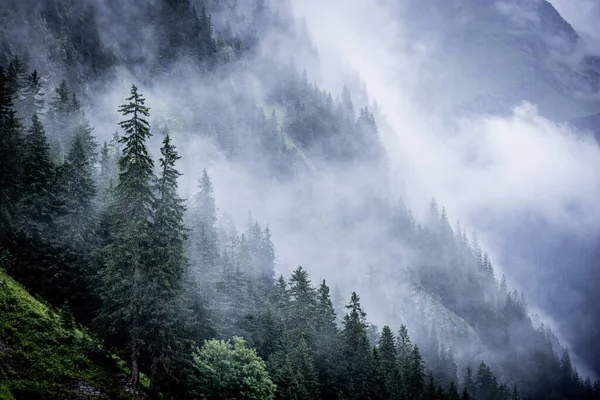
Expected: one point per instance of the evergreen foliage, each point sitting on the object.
(129, 255)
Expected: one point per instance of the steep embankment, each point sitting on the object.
(43, 355)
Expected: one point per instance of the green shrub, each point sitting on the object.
(225, 370)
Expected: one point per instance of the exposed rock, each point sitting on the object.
(86, 389)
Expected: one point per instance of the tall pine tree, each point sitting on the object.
(167, 271)
(128, 252)
(357, 351)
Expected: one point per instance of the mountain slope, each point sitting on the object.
(43, 355)
(492, 55)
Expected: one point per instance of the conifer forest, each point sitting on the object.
(300, 199)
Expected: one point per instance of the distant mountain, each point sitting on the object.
(495, 54)
(591, 123)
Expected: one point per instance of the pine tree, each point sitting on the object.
(128, 253)
(566, 374)
(414, 381)
(203, 250)
(515, 394)
(298, 379)
(108, 168)
(58, 120)
(78, 223)
(105, 177)
(166, 276)
(465, 395)
(204, 238)
(233, 301)
(327, 350)
(33, 97)
(503, 392)
(39, 203)
(84, 131)
(469, 383)
(430, 392)
(66, 120)
(485, 382)
(207, 43)
(265, 263)
(357, 352)
(404, 351)
(80, 190)
(453, 392)
(389, 365)
(303, 306)
(17, 75)
(11, 144)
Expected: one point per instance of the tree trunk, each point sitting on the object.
(135, 372)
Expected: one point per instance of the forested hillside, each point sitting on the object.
(115, 119)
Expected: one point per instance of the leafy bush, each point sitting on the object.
(227, 370)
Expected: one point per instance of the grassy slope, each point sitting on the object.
(42, 357)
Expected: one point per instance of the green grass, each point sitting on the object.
(41, 357)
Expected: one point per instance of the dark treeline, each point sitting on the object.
(99, 231)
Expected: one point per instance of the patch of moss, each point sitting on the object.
(42, 358)
(5, 393)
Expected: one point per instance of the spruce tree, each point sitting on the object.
(39, 203)
(303, 306)
(485, 382)
(414, 381)
(404, 351)
(203, 249)
(517, 396)
(280, 297)
(207, 46)
(59, 120)
(105, 177)
(265, 260)
(453, 392)
(108, 168)
(79, 191)
(11, 151)
(298, 378)
(566, 373)
(469, 383)
(328, 353)
(389, 364)
(430, 389)
(17, 76)
(66, 120)
(465, 395)
(204, 237)
(33, 97)
(128, 252)
(41, 259)
(166, 275)
(83, 130)
(357, 351)
(78, 223)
